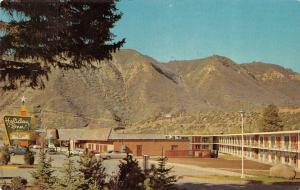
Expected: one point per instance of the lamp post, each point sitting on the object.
(242, 113)
(169, 116)
(123, 148)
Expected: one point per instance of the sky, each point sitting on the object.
(243, 30)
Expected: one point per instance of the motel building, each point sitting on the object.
(265, 147)
(100, 140)
(96, 140)
(148, 144)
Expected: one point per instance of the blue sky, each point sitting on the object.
(243, 30)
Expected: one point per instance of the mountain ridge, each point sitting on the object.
(133, 88)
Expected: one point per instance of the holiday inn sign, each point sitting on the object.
(17, 127)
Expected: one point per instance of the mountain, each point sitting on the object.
(133, 88)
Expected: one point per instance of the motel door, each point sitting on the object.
(139, 150)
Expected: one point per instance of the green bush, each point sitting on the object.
(18, 183)
(29, 158)
(4, 155)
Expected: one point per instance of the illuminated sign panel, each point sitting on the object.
(18, 127)
(20, 136)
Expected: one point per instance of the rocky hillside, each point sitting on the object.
(211, 122)
(134, 89)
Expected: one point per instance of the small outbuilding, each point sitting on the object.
(95, 139)
(147, 144)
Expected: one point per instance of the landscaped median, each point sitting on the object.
(260, 179)
(14, 166)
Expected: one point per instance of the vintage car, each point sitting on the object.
(18, 150)
(113, 155)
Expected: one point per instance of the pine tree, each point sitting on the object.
(130, 176)
(67, 34)
(29, 158)
(271, 120)
(43, 175)
(160, 176)
(147, 184)
(4, 155)
(71, 178)
(93, 172)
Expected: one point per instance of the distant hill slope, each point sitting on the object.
(134, 88)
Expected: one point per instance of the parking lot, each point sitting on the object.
(13, 170)
(110, 165)
(192, 172)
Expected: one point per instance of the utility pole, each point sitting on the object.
(242, 113)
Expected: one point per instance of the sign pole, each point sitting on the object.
(7, 136)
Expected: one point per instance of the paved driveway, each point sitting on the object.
(189, 183)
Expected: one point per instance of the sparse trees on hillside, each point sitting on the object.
(271, 120)
(66, 34)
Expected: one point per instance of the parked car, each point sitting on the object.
(76, 152)
(51, 146)
(18, 150)
(51, 151)
(36, 146)
(113, 155)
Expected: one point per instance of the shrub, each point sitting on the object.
(29, 158)
(4, 155)
(18, 183)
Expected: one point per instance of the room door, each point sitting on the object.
(139, 150)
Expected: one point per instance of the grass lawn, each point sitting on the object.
(256, 179)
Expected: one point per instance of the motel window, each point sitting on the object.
(272, 141)
(286, 142)
(294, 142)
(295, 160)
(104, 148)
(205, 139)
(261, 141)
(287, 159)
(97, 148)
(278, 157)
(174, 147)
(205, 147)
(261, 155)
(89, 146)
(197, 147)
(273, 158)
(197, 139)
(278, 138)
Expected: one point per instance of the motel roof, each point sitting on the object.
(99, 134)
(125, 136)
(239, 134)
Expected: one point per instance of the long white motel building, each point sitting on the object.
(266, 147)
